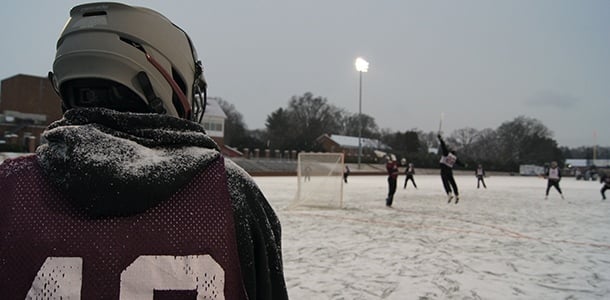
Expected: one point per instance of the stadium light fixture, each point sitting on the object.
(361, 66)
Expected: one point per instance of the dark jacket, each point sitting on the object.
(605, 179)
(410, 171)
(448, 158)
(131, 188)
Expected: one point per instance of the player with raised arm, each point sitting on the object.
(447, 161)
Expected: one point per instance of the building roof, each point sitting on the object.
(24, 75)
(352, 142)
(212, 109)
(575, 162)
(579, 163)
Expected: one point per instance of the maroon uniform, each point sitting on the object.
(214, 235)
(60, 251)
(392, 168)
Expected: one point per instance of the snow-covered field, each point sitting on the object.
(503, 242)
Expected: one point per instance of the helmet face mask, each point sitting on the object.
(128, 59)
(102, 93)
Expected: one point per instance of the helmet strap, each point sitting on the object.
(154, 102)
(199, 93)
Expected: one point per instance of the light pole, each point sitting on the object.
(361, 66)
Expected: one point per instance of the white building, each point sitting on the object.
(214, 120)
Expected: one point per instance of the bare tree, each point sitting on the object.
(463, 138)
(352, 123)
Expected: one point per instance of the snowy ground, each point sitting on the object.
(503, 242)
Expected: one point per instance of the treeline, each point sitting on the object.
(522, 140)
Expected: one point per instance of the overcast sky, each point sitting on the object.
(479, 62)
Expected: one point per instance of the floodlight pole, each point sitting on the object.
(359, 120)
(361, 66)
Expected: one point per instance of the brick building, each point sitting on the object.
(28, 104)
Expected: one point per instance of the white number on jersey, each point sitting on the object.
(61, 277)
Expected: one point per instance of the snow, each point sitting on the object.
(503, 242)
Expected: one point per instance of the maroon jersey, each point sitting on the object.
(392, 168)
(49, 248)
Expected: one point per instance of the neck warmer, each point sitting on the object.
(113, 163)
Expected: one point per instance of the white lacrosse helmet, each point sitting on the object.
(128, 59)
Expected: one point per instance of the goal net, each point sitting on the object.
(320, 180)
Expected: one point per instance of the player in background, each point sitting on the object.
(553, 176)
(447, 161)
(392, 168)
(410, 172)
(129, 198)
(346, 172)
(307, 173)
(605, 180)
(480, 174)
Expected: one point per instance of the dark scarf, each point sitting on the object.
(114, 163)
